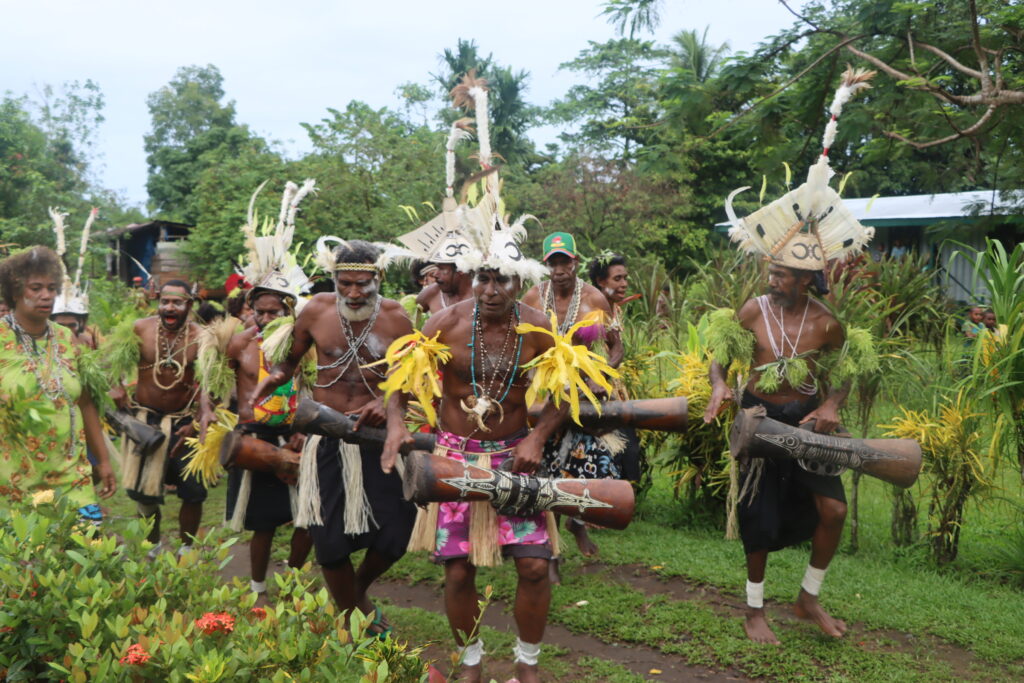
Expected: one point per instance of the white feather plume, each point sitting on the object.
(84, 245)
(270, 264)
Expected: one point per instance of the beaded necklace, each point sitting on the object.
(572, 312)
(355, 344)
(53, 388)
(170, 350)
(481, 405)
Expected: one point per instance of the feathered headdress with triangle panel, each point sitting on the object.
(73, 297)
(493, 243)
(809, 226)
(270, 265)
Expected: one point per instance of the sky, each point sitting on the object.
(286, 63)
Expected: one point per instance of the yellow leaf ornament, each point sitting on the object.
(562, 371)
(413, 362)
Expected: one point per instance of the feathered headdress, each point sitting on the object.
(73, 297)
(493, 243)
(809, 226)
(325, 256)
(270, 266)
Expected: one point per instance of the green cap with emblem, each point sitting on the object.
(559, 243)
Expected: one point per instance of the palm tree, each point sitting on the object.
(636, 15)
(696, 55)
(511, 115)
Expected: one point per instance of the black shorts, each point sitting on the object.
(188, 489)
(783, 513)
(270, 503)
(393, 516)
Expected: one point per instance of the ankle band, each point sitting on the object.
(526, 653)
(184, 549)
(812, 580)
(473, 653)
(257, 586)
(755, 594)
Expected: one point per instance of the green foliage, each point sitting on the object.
(79, 605)
(95, 379)
(727, 340)
(120, 351)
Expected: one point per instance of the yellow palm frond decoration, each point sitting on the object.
(412, 365)
(562, 371)
(203, 459)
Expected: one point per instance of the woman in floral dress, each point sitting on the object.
(46, 417)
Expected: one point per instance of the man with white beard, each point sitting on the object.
(359, 506)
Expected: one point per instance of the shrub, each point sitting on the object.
(81, 605)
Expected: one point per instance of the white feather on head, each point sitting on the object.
(270, 265)
(71, 298)
(808, 226)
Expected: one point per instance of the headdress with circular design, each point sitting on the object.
(271, 267)
(73, 297)
(809, 226)
(479, 236)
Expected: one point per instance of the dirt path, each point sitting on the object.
(638, 659)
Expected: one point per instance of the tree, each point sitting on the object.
(616, 111)
(630, 17)
(511, 116)
(694, 55)
(189, 126)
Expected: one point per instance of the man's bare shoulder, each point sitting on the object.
(240, 340)
(533, 316)
(448, 318)
(749, 312)
(143, 324)
(532, 294)
(427, 295)
(595, 298)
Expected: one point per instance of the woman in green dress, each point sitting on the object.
(46, 417)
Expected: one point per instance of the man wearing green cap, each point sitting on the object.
(575, 453)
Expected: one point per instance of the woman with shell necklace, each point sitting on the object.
(47, 416)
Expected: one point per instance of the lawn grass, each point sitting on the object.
(900, 607)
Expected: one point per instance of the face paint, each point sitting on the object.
(357, 293)
(495, 293)
(38, 296)
(173, 308)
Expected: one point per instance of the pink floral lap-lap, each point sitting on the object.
(518, 536)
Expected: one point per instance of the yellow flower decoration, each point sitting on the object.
(43, 497)
(412, 366)
(562, 371)
(203, 459)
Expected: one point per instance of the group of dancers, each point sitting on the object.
(468, 374)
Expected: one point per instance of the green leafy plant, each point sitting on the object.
(80, 605)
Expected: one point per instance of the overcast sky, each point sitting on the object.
(285, 63)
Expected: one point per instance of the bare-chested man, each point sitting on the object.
(449, 288)
(486, 355)
(351, 328)
(572, 300)
(164, 398)
(269, 502)
(789, 504)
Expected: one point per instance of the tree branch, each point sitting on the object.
(965, 133)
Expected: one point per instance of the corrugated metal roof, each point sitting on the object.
(925, 209)
(135, 227)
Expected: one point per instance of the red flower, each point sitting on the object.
(259, 613)
(135, 655)
(212, 622)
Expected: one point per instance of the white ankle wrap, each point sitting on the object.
(473, 653)
(755, 594)
(526, 653)
(257, 586)
(812, 580)
(184, 549)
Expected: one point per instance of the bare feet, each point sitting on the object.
(757, 627)
(262, 600)
(471, 674)
(526, 673)
(808, 607)
(583, 542)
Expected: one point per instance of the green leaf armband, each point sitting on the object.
(729, 341)
(855, 360)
